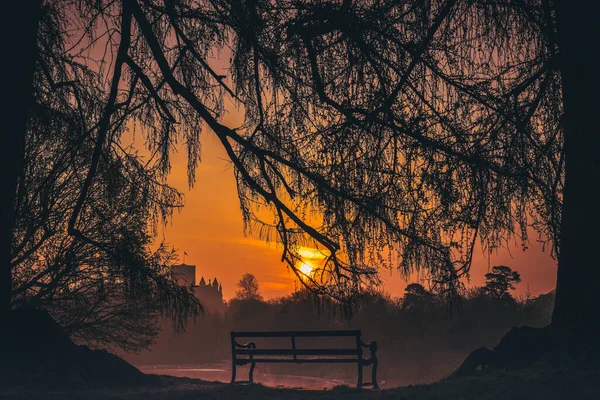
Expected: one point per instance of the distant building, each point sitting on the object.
(186, 274)
(209, 294)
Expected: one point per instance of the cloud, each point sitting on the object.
(279, 286)
(250, 241)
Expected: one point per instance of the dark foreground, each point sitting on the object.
(528, 385)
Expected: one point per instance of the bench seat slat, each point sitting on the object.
(347, 333)
(296, 361)
(298, 352)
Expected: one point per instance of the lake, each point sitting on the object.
(222, 373)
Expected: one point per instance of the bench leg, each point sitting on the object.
(374, 373)
(252, 364)
(233, 358)
(251, 374)
(360, 374)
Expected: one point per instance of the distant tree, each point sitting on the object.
(417, 298)
(499, 282)
(249, 288)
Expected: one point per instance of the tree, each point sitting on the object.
(25, 16)
(499, 282)
(109, 290)
(391, 121)
(435, 170)
(249, 289)
(95, 274)
(481, 136)
(575, 313)
(417, 298)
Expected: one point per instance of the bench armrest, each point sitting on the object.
(249, 345)
(372, 345)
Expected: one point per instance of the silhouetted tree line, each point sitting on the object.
(419, 341)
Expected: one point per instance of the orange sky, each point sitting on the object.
(209, 228)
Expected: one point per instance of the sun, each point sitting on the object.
(306, 269)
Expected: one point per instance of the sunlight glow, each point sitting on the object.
(306, 269)
(312, 253)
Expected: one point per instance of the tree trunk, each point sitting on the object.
(19, 23)
(576, 316)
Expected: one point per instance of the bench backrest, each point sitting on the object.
(250, 354)
(251, 350)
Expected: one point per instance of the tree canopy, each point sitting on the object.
(499, 281)
(81, 245)
(387, 134)
(249, 288)
(384, 133)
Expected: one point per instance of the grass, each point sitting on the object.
(530, 384)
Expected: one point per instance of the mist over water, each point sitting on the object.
(418, 340)
(222, 373)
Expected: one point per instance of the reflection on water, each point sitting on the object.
(222, 373)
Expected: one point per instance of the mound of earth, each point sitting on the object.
(519, 348)
(522, 346)
(35, 350)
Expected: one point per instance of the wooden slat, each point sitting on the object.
(297, 361)
(299, 352)
(270, 334)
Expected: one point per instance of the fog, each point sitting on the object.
(419, 340)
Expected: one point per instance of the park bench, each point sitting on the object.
(248, 353)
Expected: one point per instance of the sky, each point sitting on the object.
(209, 229)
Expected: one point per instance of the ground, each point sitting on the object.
(530, 384)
